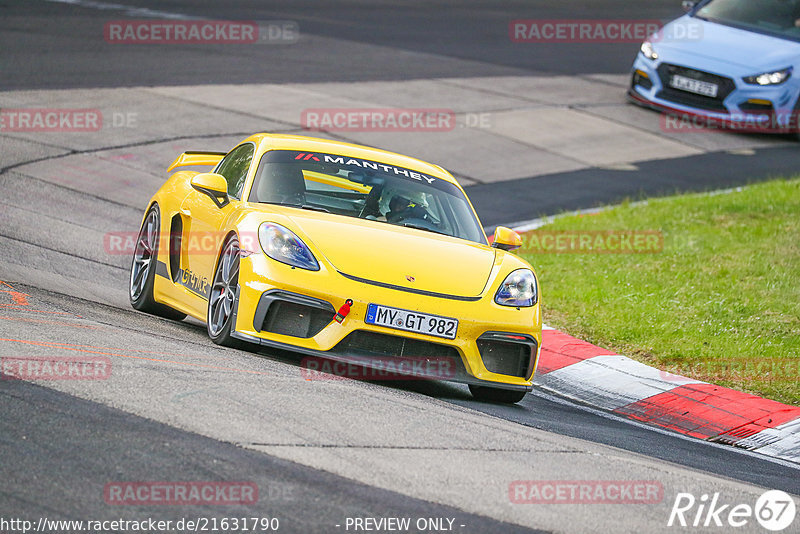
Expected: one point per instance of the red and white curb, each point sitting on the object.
(607, 381)
(599, 378)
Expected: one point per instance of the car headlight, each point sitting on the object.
(518, 290)
(649, 51)
(281, 244)
(769, 78)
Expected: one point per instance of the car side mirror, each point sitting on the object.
(214, 185)
(688, 5)
(506, 239)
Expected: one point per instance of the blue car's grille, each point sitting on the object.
(726, 87)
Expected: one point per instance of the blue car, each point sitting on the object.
(725, 63)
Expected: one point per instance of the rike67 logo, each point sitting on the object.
(774, 510)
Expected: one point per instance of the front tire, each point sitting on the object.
(143, 269)
(222, 298)
(489, 394)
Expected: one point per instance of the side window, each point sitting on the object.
(234, 168)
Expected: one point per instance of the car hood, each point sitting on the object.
(398, 256)
(749, 50)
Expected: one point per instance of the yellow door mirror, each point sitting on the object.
(213, 185)
(506, 239)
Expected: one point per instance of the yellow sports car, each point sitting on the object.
(343, 253)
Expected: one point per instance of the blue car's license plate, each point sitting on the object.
(697, 87)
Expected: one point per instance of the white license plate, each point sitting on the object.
(411, 321)
(697, 87)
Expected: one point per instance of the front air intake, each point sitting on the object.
(296, 320)
(508, 354)
(290, 314)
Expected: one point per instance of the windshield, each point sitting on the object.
(780, 18)
(364, 189)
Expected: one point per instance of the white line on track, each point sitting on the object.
(127, 10)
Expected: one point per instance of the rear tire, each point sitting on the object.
(489, 394)
(143, 269)
(222, 297)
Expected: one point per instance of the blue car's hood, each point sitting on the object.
(725, 44)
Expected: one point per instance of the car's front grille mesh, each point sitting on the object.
(361, 342)
(726, 86)
(291, 319)
(512, 359)
(442, 361)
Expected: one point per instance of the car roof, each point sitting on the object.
(268, 141)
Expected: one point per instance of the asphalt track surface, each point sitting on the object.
(60, 444)
(540, 196)
(57, 439)
(51, 52)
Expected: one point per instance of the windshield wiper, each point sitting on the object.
(420, 227)
(313, 208)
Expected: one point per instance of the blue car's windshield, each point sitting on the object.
(780, 18)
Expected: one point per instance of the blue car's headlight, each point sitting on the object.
(769, 78)
(518, 290)
(648, 51)
(281, 244)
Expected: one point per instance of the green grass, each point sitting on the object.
(720, 302)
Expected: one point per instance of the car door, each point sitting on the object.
(202, 220)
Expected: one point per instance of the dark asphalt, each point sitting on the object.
(59, 452)
(57, 45)
(519, 200)
(569, 420)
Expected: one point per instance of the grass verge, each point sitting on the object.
(719, 302)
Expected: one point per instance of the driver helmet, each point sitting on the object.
(392, 197)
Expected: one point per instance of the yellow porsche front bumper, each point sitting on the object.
(286, 307)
